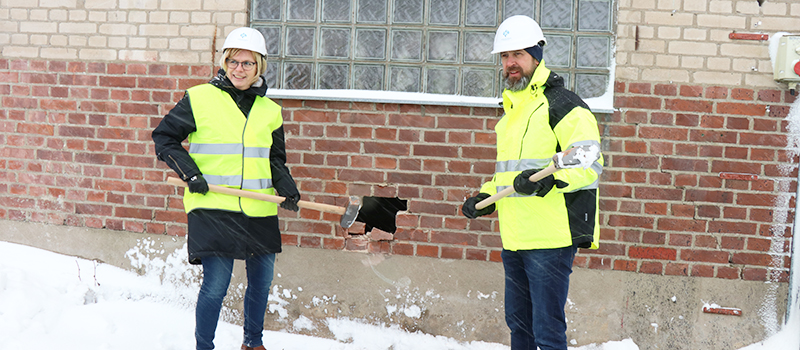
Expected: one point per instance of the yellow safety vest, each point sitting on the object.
(526, 140)
(232, 150)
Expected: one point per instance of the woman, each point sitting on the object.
(236, 140)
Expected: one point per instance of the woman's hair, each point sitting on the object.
(261, 61)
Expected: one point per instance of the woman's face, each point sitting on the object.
(240, 76)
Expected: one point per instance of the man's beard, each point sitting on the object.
(519, 84)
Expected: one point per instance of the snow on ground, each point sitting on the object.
(52, 300)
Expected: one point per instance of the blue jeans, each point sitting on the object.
(537, 282)
(216, 278)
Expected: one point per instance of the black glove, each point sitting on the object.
(290, 203)
(468, 209)
(197, 184)
(284, 183)
(524, 186)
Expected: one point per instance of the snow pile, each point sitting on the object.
(49, 300)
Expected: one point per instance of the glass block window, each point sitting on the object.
(428, 46)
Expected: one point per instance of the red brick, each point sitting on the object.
(713, 136)
(691, 91)
(652, 253)
(600, 263)
(758, 244)
(336, 243)
(651, 237)
(655, 208)
(688, 105)
(428, 251)
(769, 95)
(402, 249)
(476, 254)
(725, 272)
(630, 221)
(702, 271)
(704, 256)
(454, 237)
(734, 227)
(637, 162)
(651, 267)
(665, 89)
(751, 274)
(639, 88)
(658, 193)
(757, 259)
(758, 139)
(663, 133)
(625, 265)
(732, 108)
(673, 269)
(716, 92)
(651, 103)
(452, 253)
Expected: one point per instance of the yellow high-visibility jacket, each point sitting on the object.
(539, 121)
(232, 150)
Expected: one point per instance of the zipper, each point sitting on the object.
(183, 174)
(527, 126)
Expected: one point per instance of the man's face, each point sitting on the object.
(518, 67)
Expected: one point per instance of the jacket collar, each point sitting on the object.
(259, 88)
(534, 89)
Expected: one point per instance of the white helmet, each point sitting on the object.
(517, 33)
(246, 38)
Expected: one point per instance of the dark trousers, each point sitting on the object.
(537, 282)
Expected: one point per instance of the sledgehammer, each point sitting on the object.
(348, 213)
(576, 157)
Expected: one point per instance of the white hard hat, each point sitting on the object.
(246, 38)
(517, 33)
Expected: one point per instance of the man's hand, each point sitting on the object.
(524, 186)
(197, 184)
(468, 209)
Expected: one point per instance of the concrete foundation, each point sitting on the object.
(459, 299)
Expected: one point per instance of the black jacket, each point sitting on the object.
(217, 232)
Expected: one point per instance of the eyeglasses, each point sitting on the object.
(247, 65)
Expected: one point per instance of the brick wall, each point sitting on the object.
(698, 180)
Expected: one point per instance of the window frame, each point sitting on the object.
(602, 104)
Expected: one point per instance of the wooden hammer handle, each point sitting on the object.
(509, 190)
(262, 197)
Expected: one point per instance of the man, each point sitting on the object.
(544, 223)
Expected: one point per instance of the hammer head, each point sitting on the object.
(351, 212)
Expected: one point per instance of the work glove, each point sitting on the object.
(468, 209)
(290, 203)
(197, 184)
(524, 186)
(286, 187)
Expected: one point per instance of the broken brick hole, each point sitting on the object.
(380, 213)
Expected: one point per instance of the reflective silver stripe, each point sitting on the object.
(236, 180)
(513, 194)
(597, 167)
(229, 148)
(521, 164)
(584, 143)
(232, 180)
(257, 184)
(215, 148)
(256, 152)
